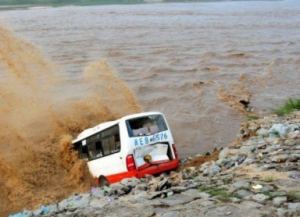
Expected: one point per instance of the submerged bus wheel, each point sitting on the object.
(103, 181)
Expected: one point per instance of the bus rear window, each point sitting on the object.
(147, 125)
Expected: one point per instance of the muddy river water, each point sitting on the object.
(192, 61)
(175, 57)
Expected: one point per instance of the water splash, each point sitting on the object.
(40, 112)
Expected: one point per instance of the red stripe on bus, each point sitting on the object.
(151, 170)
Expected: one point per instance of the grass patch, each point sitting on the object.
(203, 188)
(221, 193)
(289, 106)
(274, 195)
(293, 196)
(268, 179)
(267, 193)
(218, 192)
(226, 181)
(252, 117)
(245, 188)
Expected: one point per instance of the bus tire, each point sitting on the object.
(103, 181)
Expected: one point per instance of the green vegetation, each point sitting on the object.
(289, 106)
(268, 179)
(252, 117)
(203, 188)
(293, 196)
(226, 181)
(267, 193)
(220, 193)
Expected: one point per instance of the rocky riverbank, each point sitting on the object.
(257, 175)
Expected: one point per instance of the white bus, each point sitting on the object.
(134, 145)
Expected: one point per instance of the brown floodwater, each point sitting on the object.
(165, 51)
(191, 61)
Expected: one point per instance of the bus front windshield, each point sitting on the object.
(146, 125)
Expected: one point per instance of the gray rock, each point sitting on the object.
(251, 204)
(229, 164)
(292, 135)
(201, 203)
(64, 204)
(223, 210)
(185, 175)
(170, 193)
(53, 208)
(239, 185)
(42, 210)
(97, 203)
(179, 189)
(282, 212)
(171, 214)
(247, 149)
(27, 214)
(260, 198)
(153, 195)
(288, 183)
(97, 192)
(282, 129)
(235, 200)
(277, 201)
(141, 187)
(222, 162)
(119, 189)
(224, 153)
(203, 166)
(204, 195)
(164, 184)
(192, 192)
(262, 132)
(130, 182)
(176, 200)
(205, 172)
(189, 173)
(293, 205)
(140, 197)
(249, 161)
(214, 170)
(279, 158)
(243, 193)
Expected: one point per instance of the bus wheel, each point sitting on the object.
(103, 181)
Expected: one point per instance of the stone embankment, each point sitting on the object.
(258, 175)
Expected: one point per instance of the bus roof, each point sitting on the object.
(91, 131)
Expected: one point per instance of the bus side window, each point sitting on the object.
(99, 149)
(83, 153)
(111, 140)
(95, 150)
(106, 145)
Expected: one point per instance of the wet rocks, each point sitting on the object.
(243, 193)
(293, 206)
(239, 185)
(260, 198)
(277, 201)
